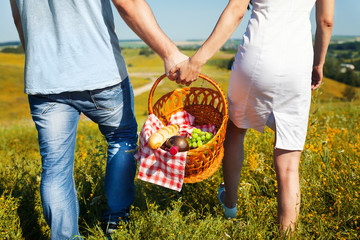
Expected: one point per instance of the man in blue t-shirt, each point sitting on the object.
(74, 65)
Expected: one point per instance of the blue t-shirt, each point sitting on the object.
(71, 46)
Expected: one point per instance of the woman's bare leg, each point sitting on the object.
(232, 163)
(287, 174)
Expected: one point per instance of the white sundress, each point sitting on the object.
(270, 82)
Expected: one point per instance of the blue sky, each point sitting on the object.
(195, 19)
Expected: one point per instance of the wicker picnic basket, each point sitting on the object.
(208, 106)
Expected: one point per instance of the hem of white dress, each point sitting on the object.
(289, 149)
(244, 126)
(261, 129)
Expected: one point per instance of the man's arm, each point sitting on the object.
(139, 17)
(324, 24)
(17, 21)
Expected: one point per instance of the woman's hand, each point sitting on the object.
(316, 78)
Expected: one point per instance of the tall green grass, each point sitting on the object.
(329, 176)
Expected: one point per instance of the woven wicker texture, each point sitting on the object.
(208, 106)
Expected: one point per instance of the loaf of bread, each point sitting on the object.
(159, 137)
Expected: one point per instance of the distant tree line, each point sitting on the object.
(18, 50)
(145, 51)
(353, 46)
(222, 63)
(340, 54)
(333, 70)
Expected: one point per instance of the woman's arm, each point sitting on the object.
(139, 17)
(230, 18)
(324, 25)
(17, 21)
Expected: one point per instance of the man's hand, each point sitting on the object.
(316, 78)
(171, 62)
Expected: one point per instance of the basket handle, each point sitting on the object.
(156, 83)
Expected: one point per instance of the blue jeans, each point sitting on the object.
(56, 118)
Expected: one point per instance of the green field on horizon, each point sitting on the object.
(142, 70)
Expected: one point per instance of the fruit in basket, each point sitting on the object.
(199, 138)
(176, 144)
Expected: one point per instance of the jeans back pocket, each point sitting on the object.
(40, 104)
(109, 98)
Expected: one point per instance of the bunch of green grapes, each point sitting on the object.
(199, 138)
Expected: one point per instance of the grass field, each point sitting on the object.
(330, 171)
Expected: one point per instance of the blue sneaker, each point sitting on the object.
(228, 212)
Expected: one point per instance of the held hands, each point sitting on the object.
(316, 78)
(185, 72)
(174, 59)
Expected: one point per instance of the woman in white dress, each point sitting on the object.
(270, 84)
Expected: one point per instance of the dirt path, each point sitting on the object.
(147, 87)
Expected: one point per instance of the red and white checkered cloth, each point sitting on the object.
(159, 166)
